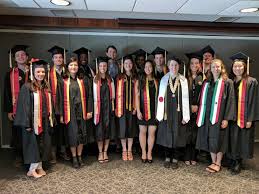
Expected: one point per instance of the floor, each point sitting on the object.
(118, 176)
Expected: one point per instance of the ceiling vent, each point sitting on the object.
(227, 19)
(63, 13)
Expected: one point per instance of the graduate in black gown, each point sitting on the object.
(14, 80)
(147, 92)
(140, 58)
(242, 131)
(76, 105)
(104, 95)
(126, 107)
(195, 79)
(113, 66)
(35, 116)
(57, 70)
(216, 109)
(160, 62)
(83, 56)
(173, 113)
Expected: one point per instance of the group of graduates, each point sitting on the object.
(63, 105)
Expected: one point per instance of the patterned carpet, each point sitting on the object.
(118, 176)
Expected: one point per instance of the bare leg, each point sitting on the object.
(106, 146)
(124, 150)
(80, 149)
(100, 148)
(151, 140)
(130, 142)
(143, 140)
(73, 151)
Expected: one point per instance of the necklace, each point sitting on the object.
(173, 87)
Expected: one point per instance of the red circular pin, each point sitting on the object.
(161, 99)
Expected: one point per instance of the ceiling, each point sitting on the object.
(187, 10)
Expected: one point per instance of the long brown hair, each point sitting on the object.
(232, 75)
(143, 78)
(223, 73)
(189, 72)
(98, 75)
(34, 85)
(133, 70)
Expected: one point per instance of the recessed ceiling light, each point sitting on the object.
(249, 10)
(60, 2)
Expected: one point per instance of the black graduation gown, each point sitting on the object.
(242, 140)
(16, 140)
(127, 123)
(59, 137)
(158, 74)
(76, 129)
(210, 137)
(105, 129)
(171, 133)
(194, 93)
(85, 70)
(36, 148)
(153, 98)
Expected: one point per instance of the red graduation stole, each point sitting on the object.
(53, 80)
(241, 104)
(67, 99)
(147, 110)
(15, 87)
(130, 104)
(37, 110)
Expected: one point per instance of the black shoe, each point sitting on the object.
(174, 165)
(65, 156)
(80, 161)
(236, 169)
(75, 163)
(149, 161)
(167, 164)
(144, 160)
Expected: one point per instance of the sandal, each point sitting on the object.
(124, 156)
(105, 159)
(210, 168)
(219, 168)
(130, 156)
(100, 157)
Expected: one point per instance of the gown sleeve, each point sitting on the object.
(23, 116)
(253, 101)
(89, 94)
(230, 110)
(7, 94)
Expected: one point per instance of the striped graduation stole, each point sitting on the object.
(146, 95)
(15, 87)
(241, 104)
(215, 103)
(130, 101)
(97, 98)
(37, 110)
(67, 99)
(54, 83)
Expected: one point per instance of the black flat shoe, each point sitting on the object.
(144, 160)
(149, 161)
(75, 163)
(80, 161)
(167, 164)
(174, 165)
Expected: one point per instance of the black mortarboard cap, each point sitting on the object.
(208, 49)
(240, 56)
(196, 55)
(82, 50)
(140, 52)
(56, 50)
(159, 50)
(17, 48)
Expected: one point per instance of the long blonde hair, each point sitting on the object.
(223, 73)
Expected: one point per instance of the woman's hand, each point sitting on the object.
(28, 129)
(139, 115)
(224, 124)
(248, 125)
(183, 122)
(10, 116)
(134, 111)
(89, 115)
(61, 119)
(194, 108)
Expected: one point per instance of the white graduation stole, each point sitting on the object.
(162, 93)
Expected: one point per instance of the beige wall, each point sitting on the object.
(40, 43)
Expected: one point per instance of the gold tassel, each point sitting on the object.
(122, 65)
(31, 71)
(10, 58)
(248, 64)
(96, 65)
(178, 104)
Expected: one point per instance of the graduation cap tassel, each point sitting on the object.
(88, 57)
(184, 69)
(96, 65)
(10, 58)
(64, 56)
(248, 63)
(203, 69)
(48, 72)
(122, 65)
(146, 55)
(31, 71)
(165, 58)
